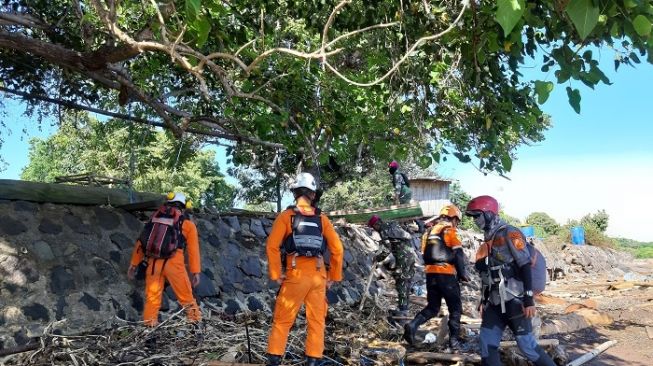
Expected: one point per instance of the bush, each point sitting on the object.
(543, 221)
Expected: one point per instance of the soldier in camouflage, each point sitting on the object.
(397, 241)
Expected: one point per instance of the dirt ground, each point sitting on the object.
(631, 309)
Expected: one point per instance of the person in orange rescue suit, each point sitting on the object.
(305, 234)
(504, 263)
(172, 269)
(444, 264)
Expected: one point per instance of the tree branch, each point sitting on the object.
(203, 120)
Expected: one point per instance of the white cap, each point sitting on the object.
(305, 180)
(177, 197)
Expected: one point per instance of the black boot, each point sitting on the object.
(312, 361)
(455, 344)
(544, 360)
(273, 360)
(411, 328)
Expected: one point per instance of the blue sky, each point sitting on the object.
(600, 159)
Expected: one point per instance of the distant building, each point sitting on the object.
(432, 194)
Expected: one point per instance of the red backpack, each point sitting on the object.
(162, 236)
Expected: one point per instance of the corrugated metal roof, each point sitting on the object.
(429, 179)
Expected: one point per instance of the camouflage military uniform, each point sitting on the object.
(398, 242)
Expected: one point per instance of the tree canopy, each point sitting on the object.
(542, 220)
(153, 161)
(330, 87)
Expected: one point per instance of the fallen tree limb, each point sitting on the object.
(19, 349)
(540, 342)
(429, 357)
(591, 354)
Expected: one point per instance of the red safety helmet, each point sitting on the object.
(483, 203)
(393, 164)
(373, 220)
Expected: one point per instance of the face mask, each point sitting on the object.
(392, 170)
(480, 221)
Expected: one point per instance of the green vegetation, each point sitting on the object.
(336, 89)
(158, 162)
(639, 249)
(543, 223)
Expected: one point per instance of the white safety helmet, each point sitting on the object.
(177, 197)
(304, 180)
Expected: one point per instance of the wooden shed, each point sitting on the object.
(431, 193)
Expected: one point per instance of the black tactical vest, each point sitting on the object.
(436, 251)
(306, 239)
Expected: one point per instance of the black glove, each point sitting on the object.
(528, 301)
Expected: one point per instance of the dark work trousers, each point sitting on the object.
(492, 326)
(444, 286)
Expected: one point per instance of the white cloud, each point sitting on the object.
(569, 189)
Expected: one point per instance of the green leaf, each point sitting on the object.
(192, 8)
(464, 158)
(203, 27)
(543, 90)
(508, 14)
(424, 161)
(406, 108)
(506, 161)
(574, 99)
(642, 25)
(584, 14)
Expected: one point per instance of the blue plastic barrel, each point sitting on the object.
(578, 235)
(528, 231)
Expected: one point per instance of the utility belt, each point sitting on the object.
(293, 259)
(495, 279)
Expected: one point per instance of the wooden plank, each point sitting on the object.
(69, 194)
(540, 342)
(395, 212)
(141, 206)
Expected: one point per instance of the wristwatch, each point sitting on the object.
(528, 293)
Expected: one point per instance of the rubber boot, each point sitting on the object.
(544, 360)
(312, 361)
(411, 328)
(273, 360)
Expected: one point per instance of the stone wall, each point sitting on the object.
(70, 262)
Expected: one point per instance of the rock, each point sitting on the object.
(256, 227)
(251, 266)
(214, 240)
(122, 240)
(136, 300)
(205, 288)
(61, 281)
(47, 226)
(232, 274)
(251, 286)
(21, 337)
(106, 219)
(90, 302)
(245, 231)
(11, 226)
(115, 256)
(233, 222)
(25, 206)
(104, 268)
(76, 224)
(225, 231)
(209, 273)
(42, 251)
(348, 257)
(232, 307)
(332, 297)
(132, 222)
(254, 304)
(36, 311)
(59, 308)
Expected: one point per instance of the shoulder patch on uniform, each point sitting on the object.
(517, 240)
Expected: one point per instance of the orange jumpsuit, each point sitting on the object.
(305, 284)
(175, 273)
